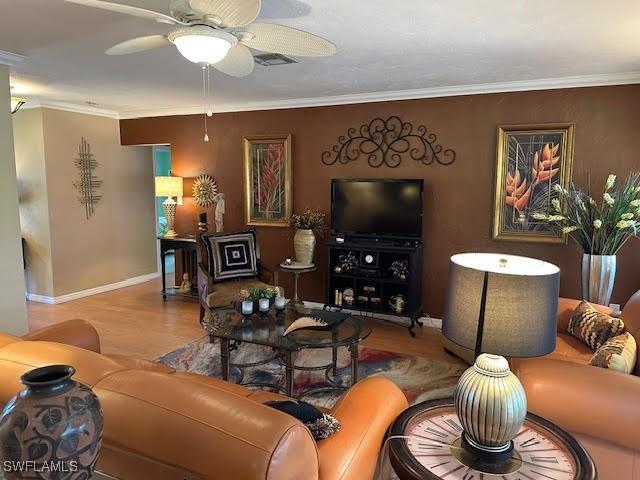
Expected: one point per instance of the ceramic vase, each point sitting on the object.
(304, 244)
(53, 420)
(490, 403)
(598, 277)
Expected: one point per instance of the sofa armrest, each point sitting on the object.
(77, 332)
(365, 413)
(583, 399)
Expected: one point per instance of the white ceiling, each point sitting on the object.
(386, 49)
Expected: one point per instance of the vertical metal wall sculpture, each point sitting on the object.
(88, 184)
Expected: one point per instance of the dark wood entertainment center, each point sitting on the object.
(368, 274)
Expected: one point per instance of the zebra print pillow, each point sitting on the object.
(593, 327)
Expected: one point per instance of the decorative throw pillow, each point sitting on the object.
(321, 425)
(618, 353)
(593, 327)
(232, 256)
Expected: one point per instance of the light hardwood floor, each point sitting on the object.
(135, 321)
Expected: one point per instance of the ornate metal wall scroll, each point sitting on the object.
(88, 184)
(388, 142)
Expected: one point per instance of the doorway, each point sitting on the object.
(162, 168)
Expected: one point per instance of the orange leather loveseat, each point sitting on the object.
(600, 407)
(160, 424)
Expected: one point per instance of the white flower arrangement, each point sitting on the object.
(599, 228)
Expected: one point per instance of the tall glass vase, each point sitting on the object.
(598, 277)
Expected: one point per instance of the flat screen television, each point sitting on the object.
(377, 208)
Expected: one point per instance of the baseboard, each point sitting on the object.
(92, 291)
(426, 320)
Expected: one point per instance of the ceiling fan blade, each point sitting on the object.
(139, 44)
(232, 13)
(128, 10)
(238, 62)
(270, 37)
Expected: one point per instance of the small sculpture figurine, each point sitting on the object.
(185, 286)
(220, 211)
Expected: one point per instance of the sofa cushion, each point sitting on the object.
(593, 327)
(231, 256)
(139, 363)
(570, 349)
(321, 425)
(618, 353)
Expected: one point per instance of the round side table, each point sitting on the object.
(296, 270)
(542, 450)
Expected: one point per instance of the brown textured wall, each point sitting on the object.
(458, 198)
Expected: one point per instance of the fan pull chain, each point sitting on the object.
(204, 101)
(209, 94)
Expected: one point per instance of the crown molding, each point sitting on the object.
(10, 59)
(394, 95)
(72, 107)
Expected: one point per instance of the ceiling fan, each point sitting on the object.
(217, 33)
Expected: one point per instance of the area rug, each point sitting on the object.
(420, 378)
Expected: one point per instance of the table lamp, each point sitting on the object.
(169, 187)
(499, 306)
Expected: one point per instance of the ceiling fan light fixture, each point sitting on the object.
(202, 44)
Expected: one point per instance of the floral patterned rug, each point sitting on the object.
(420, 378)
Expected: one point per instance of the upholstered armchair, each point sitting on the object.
(228, 263)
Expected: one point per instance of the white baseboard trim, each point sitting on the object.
(426, 319)
(92, 291)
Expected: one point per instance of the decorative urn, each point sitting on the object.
(53, 422)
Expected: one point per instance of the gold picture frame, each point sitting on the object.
(531, 161)
(268, 180)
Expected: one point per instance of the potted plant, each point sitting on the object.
(600, 228)
(254, 294)
(304, 240)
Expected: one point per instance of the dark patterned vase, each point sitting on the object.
(52, 429)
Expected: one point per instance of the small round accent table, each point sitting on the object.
(296, 269)
(542, 450)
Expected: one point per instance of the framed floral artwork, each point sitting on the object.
(532, 160)
(267, 180)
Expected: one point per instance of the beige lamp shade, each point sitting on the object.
(502, 304)
(169, 187)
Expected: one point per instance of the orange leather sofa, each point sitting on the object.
(600, 407)
(160, 424)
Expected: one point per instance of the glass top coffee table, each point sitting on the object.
(233, 329)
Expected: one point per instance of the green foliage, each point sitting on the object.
(255, 293)
(600, 228)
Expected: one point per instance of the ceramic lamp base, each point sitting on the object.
(169, 208)
(491, 405)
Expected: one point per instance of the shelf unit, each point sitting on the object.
(372, 271)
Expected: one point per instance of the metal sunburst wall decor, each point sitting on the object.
(88, 184)
(387, 142)
(204, 191)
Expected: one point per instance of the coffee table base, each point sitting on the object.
(286, 357)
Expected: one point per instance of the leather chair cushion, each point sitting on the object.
(570, 349)
(224, 293)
